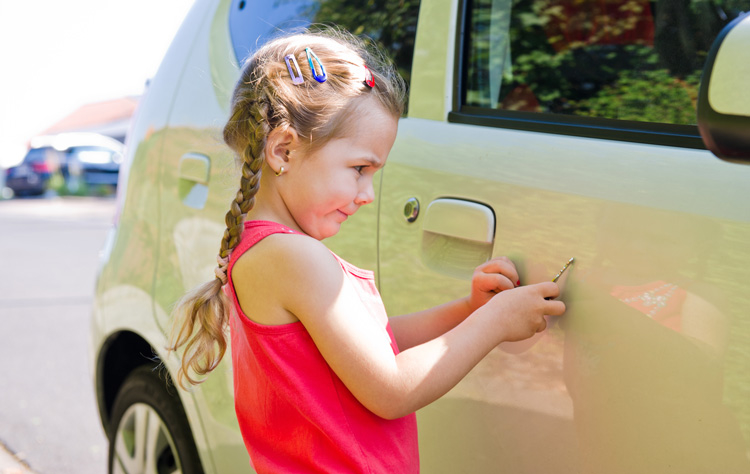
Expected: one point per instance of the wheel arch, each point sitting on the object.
(120, 355)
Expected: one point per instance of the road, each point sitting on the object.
(49, 251)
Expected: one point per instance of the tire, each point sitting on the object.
(149, 432)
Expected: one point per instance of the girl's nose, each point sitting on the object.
(366, 193)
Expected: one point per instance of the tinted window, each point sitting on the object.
(393, 25)
(91, 154)
(618, 59)
(253, 22)
(39, 155)
(36, 155)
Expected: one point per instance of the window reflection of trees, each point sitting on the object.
(391, 24)
(620, 59)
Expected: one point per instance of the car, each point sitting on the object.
(543, 130)
(32, 175)
(83, 160)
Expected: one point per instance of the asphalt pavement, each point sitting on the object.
(49, 253)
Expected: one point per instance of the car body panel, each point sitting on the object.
(635, 231)
(191, 236)
(630, 214)
(126, 285)
(22, 179)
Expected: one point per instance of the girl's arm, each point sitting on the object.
(309, 283)
(490, 278)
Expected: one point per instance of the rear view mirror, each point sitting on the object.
(724, 96)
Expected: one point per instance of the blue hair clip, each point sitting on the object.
(296, 74)
(318, 77)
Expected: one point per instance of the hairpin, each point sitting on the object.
(296, 74)
(368, 78)
(318, 77)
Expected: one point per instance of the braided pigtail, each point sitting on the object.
(265, 98)
(253, 157)
(201, 316)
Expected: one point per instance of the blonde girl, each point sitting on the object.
(324, 381)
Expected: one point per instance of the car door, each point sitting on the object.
(545, 130)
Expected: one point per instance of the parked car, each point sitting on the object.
(539, 129)
(81, 159)
(32, 175)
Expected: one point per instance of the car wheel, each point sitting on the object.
(149, 432)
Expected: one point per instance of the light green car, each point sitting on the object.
(541, 130)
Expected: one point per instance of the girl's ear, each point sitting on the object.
(279, 144)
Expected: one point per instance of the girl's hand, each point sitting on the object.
(522, 312)
(489, 279)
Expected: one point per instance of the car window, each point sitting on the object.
(253, 22)
(91, 154)
(393, 25)
(634, 60)
(38, 155)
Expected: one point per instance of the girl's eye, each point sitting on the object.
(359, 169)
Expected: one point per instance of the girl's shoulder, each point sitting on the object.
(287, 268)
(273, 243)
(290, 251)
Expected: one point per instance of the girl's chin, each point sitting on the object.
(330, 232)
(324, 232)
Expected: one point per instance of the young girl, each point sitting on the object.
(324, 381)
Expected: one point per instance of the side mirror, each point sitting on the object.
(724, 96)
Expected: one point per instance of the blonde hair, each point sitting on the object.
(265, 99)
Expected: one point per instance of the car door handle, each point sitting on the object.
(195, 167)
(457, 236)
(194, 171)
(460, 219)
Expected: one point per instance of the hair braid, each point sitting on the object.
(207, 305)
(253, 158)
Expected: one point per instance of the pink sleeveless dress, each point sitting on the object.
(294, 413)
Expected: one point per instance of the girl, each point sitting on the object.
(323, 380)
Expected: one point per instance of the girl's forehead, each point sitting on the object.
(371, 118)
(366, 131)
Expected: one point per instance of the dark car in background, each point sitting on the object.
(82, 161)
(32, 175)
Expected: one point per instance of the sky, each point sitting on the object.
(57, 55)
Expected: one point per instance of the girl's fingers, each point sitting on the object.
(502, 266)
(555, 308)
(549, 290)
(493, 282)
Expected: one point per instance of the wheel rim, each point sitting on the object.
(143, 444)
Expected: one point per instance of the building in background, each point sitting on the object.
(110, 118)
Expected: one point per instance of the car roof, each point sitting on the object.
(65, 141)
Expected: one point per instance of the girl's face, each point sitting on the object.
(323, 188)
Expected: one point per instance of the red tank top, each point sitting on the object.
(294, 413)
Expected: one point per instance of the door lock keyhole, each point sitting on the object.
(411, 210)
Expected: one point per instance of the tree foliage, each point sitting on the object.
(620, 59)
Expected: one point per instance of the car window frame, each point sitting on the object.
(650, 133)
